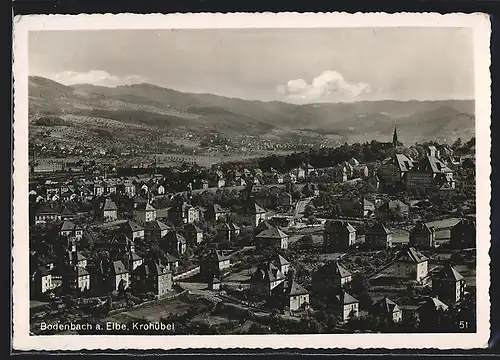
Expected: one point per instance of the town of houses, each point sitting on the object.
(362, 244)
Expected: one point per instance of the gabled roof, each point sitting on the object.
(378, 229)
(256, 209)
(67, 226)
(109, 205)
(339, 226)
(403, 162)
(431, 164)
(157, 225)
(433, 303)
(170, 258)
(118, 268)
(67, 211)
(294, 289)
(42, 271)
(346, 298)
(174, 236)
(422, 227)
(217, 255)
(386, 305)
(367, 203)
(228, 226)
(467, 222)
(267, 272)
(46, 209)
(341, 271)
(280, 260)
(217, 208)
(274, 233)
(145, 207)
(151, 267)
(192, 228)
(412, 255)
(132, 226)
(449, 273)
(264, 225)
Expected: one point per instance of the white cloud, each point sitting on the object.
(330, 85)
(96, 77)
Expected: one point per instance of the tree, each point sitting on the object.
(359, 287)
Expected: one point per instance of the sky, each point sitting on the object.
(292, 65)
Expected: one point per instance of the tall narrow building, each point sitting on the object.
(395, 141)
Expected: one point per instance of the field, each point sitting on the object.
(155, 312)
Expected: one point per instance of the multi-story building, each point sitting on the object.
(144, 213)
(430, 173)
(338, 235)
(378, 236)
(393, 170)
(411, 264)
(448, 285)
(153, 277)
(422, 236)
(272, 238)
(463, 234)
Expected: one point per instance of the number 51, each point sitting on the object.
(463, 324)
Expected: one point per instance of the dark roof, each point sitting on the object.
(170, 259)
(78, 271)
(46, 209)
(217, 255)
(217, 208)
(378, 229)
(267, 272)
(42, 271)
(274, 233)
(151, 267)
(431, 164)
(346, 298)
(192, 228)
(173, 235)
(449, 273)
(227, 226)
(422, 227)
(156, 225)
(466, 222)
(412, 255)
(132, 226)
(339, 226)
(294, 289)
(264, 225)
(386, 305)
(145, 207)
(67, 211)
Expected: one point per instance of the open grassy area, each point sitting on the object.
(154, 312)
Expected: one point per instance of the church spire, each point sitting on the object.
(395, 141)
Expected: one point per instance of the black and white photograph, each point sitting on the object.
(258, 180)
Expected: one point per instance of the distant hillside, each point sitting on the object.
(165, 109)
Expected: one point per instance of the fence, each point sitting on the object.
(187, 273)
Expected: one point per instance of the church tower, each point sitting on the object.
(395, 141)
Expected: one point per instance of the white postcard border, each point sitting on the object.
(22, 25)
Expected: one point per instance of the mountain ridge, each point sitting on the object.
(171, 110)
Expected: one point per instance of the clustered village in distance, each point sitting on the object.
(373, 237)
